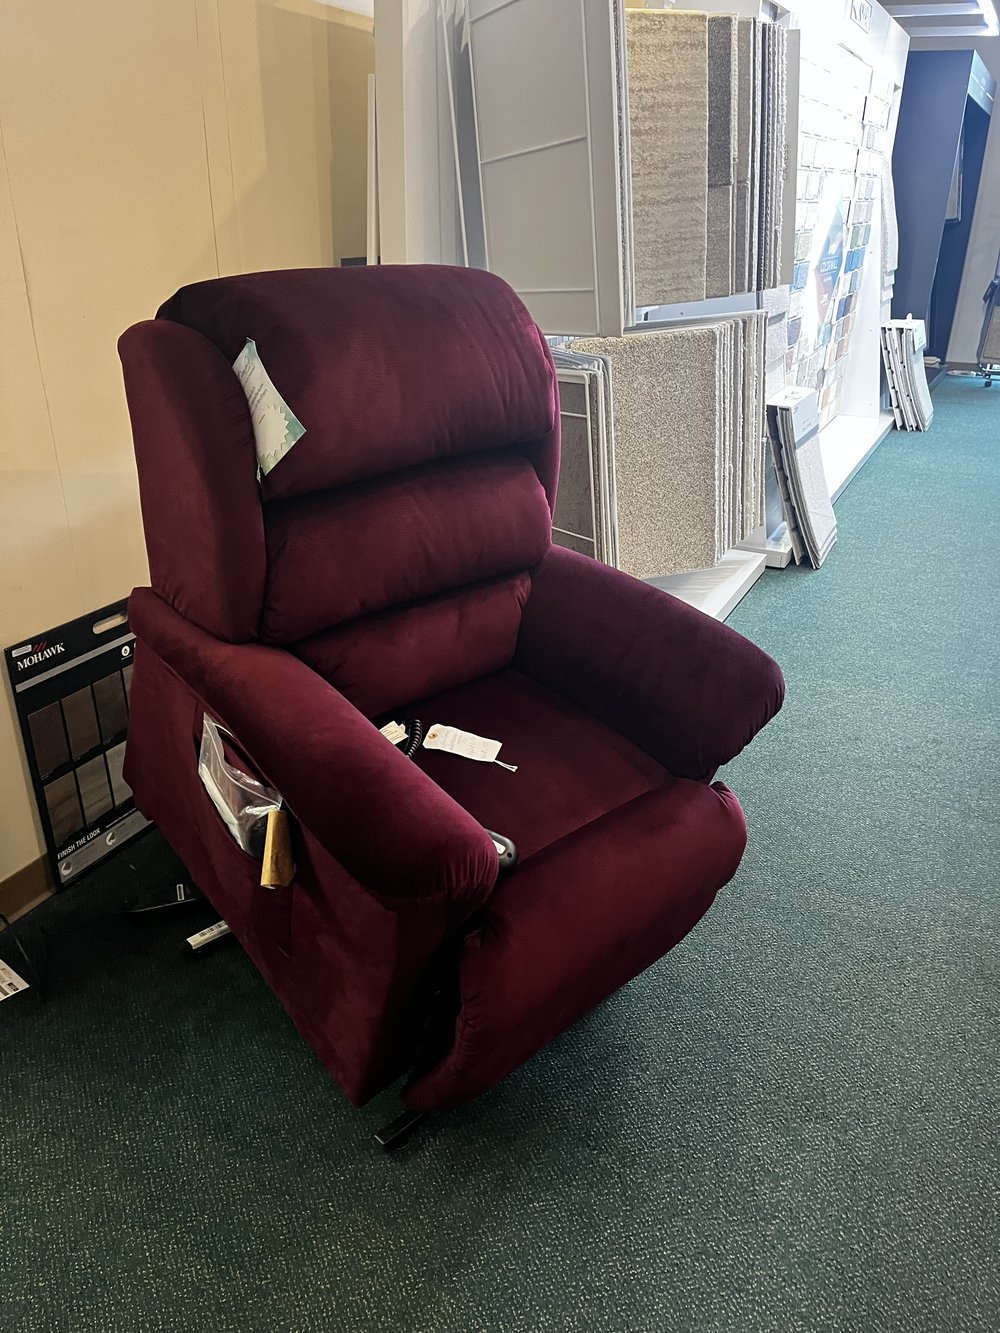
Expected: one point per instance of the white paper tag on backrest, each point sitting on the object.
(393, 732)
(453, 741)
(10, 982)
(275, 426)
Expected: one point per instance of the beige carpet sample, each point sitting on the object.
(668, 441)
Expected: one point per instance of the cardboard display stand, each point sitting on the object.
(71, 691)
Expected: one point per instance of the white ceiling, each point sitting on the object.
(944, 18)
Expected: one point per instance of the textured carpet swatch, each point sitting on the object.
(667, 392)
(668, 129)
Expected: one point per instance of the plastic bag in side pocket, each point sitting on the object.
(243, 803)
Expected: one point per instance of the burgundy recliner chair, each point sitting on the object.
(397, 563)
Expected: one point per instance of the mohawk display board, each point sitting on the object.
(71, 690)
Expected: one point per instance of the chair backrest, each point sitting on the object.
(392, 546)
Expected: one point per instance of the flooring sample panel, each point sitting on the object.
(720, 258)
(667, 427)
(63, 802)
(842, 141)
(81, 721)
(668, 129)
(48, 734)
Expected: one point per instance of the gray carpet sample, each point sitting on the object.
(668, 128)
(723, 115)
(744, 153)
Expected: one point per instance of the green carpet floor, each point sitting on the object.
(788, 1124)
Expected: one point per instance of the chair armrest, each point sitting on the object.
(686, 689)
(369, 806)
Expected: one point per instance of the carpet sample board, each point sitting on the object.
(667, 446)
(793, 429)
(679, 473)
(667, 57)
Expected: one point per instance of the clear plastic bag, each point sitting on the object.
(243, 803)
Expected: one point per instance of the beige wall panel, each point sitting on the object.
(105, 140)
(25, 438)
(277, 81)
(103, 513)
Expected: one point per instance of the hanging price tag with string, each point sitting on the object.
(465, 743)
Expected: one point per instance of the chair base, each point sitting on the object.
(398, 1131)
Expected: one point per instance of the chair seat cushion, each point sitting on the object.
(571, 769)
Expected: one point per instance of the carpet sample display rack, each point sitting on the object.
(639, 161)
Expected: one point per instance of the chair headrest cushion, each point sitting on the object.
(385, 367)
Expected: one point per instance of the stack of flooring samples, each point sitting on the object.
(674, 450)
(793, 429)
(903, 345)
(706, 107)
